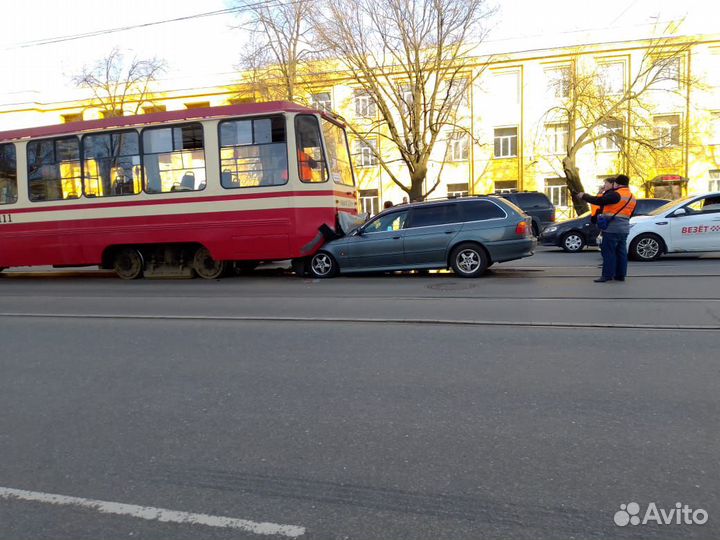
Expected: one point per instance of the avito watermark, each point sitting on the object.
(681, 514)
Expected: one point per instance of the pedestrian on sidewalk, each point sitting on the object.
(617, 205)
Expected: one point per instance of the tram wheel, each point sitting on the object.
(206, 267)
(128, 264)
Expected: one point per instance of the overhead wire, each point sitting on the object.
(95, 33)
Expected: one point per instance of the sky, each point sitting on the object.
(203, 51)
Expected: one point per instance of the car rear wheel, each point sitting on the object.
(468, 260)
(646, 247)
(572, 242)
(323, 265)
(128, 264)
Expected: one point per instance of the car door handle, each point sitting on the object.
(716, 219)
(450, 232)
(396, 237)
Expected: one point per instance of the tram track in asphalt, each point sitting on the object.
(367, 321)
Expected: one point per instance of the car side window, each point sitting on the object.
(711, 205)
(438, 214)
(706, 205)
(481, 210)
(388, 222)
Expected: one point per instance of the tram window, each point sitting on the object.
(311, 161)
(253, 153)
(111, 164)
(174, 159)
(8, 174)
(54, 169)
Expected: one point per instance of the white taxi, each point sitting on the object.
(687, 225)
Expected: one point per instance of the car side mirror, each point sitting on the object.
(680, 212)
(358, 232)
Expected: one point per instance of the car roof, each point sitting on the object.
(437, 202)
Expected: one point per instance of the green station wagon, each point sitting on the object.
(466, 234)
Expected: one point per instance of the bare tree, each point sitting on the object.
(119, 87)
(620, 118)
(411, 63)
(279, 47)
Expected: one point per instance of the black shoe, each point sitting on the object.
(602, 280)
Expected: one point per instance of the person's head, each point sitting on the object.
(388, 204)
(405, 200)
(609, 183)
(622, 180)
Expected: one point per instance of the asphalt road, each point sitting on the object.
(528, 404)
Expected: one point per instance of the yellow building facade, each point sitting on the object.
(512, 139)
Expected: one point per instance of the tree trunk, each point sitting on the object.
(417, 183)
(574, 184)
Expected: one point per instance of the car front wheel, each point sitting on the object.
(646, 247)
(323, 265)
(572, 242)
(468, 260)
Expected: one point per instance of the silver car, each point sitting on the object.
(466, 234)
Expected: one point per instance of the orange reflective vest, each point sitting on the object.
(594, 208)
(623, 208)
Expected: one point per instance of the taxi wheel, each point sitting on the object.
(572, 242)
(323, 265)
(646, 247)
(469, 260)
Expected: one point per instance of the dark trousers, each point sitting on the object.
(614, 255)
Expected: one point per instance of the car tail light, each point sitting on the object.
(522, 228)
(552, 216)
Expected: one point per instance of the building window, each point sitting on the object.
(364, 104)
(457, 91)
(407, 98)
(73, 117)
(610, 136)
(253, 153)
(667, 130)
(370, 201)
(714, 182)
(558, 81)
(458, 146)
(505, 142)
(174, 159)
(557, 191)
(150, 109)
(506, 87)
(54, 169)
(115, 113)
(241, 100)
(715, 128)
(8, 174)
(458, 190)
(111, 164)
(668, 74)
(197, 105)
(364, 155)
(506, 186)
(321, 101)
(612, 78)
(557, 138)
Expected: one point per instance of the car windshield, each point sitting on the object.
(669, 206)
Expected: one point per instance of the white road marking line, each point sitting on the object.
(154, 514)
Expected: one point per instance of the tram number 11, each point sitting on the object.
(5, 218)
